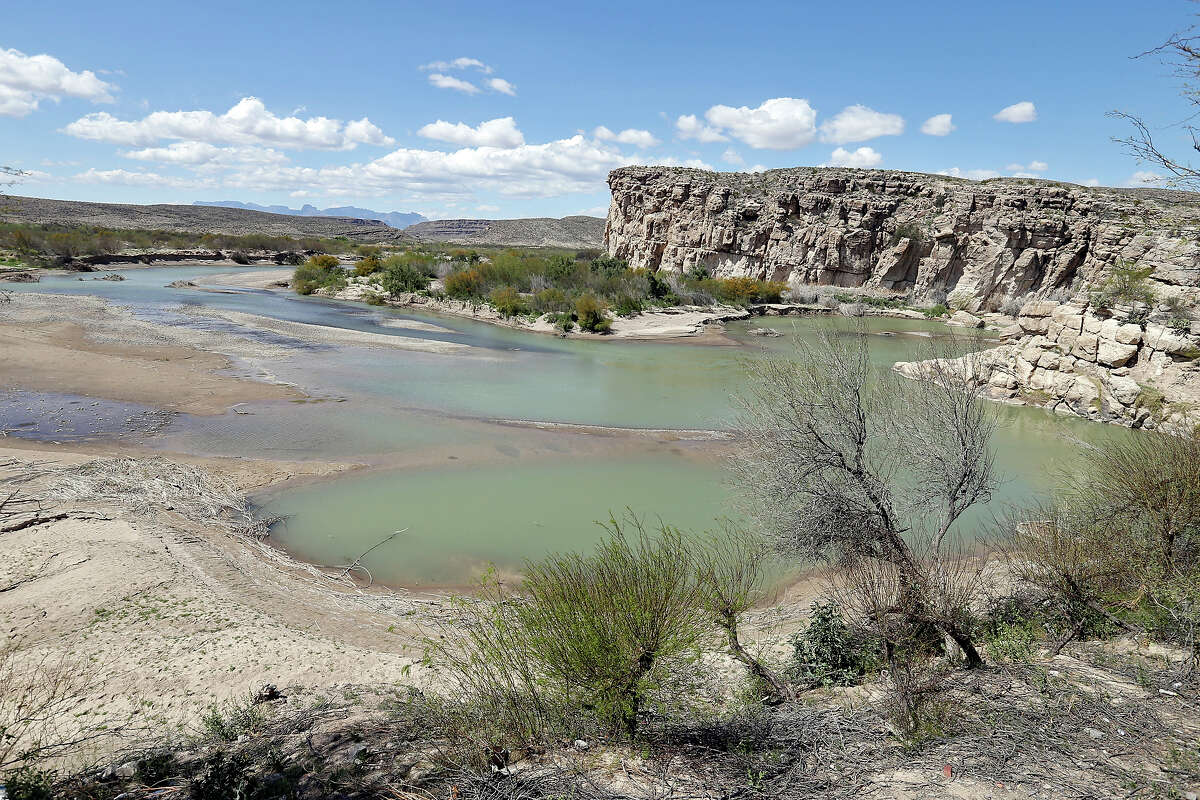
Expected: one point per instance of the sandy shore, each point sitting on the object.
(86, 346)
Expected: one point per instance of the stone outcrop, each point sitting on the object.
(1093, 363)
(922, 234)
(576, 233)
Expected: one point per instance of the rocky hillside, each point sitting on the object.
(569, 232)
(192, 219)
(927, 234)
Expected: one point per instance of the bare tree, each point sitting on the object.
(1181, 52)
(845, 465)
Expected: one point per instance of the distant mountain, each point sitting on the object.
(396, 219)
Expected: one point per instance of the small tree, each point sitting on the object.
(844, 465)
(403, 277)
(589, 310)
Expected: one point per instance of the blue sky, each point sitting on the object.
(520, 109)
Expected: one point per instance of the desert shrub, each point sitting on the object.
(828, 652)
(914, 699)
(658, 286)
(906, 230)
(318, 272)
(590, 313)
(1013, 641)
(934, 311)
(564, 322)
(1012, 306)
(367, 265)
(239, 257)
(29, 783)
(508, 301)
(608, 266)
(552, 300)
(598, 635)
(560, 268)
(1127, 284)
(626, 305)
(229, 720)
(403, 277)
(464, 285)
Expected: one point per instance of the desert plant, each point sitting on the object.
(508, 301)
(595, 633)
(228, 720)
(960, 299)
(402, 277)
(846, 466)
(1126, 284)
(367, 265)
(828, 652)
(552, 300)
(464, 285)
(590, 313)
(320, 271)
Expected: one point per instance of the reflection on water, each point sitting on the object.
(471, 491)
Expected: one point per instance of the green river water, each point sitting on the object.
(445, 460)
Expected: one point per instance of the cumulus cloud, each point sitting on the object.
(864, 157)
(972, 174)
(858, 124)
(195, 154)
(689, 126)
(500, 132)
(633, 136)
(450, 82)
(1032, 166)
(1144, 177)
(938, 125)
(247, 123)
(1092, 182)
(461, 62)
(781, 123)
(1024, 111)
(502, 86)
(27, 80)
(731, 156)
(143, 179)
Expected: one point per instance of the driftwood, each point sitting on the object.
(356, 564)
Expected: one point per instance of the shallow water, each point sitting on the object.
(471, 490)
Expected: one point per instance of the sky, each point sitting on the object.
(485, 109)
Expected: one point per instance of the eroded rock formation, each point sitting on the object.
(1094, 363)
(924, 234)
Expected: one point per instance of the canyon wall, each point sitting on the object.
(922, 234)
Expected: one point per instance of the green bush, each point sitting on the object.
(466, 284)
(403, 277)
(367, 266)
(508, 301)
(626, 305)
(30, 783)
(608, 266)
(590, 313)
(320, 271)
(229, 720)
(827, 652)
(937, 310)
(564, 322)
(552, 300)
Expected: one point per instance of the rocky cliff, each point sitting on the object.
(923, 234)
(1095, 363)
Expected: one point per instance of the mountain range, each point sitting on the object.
(395, 219)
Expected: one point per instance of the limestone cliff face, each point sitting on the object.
(925, 234)
(1094, 363)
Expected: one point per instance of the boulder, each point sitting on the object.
(1113, 354)
(965, 319)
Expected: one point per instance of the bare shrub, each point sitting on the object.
(914, 700)
(1012, 305)
(961, 299)
(732, 573)
(849, 467)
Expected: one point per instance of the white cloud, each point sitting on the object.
(1032, 166)
(938, 125)
(694, 163)
(502, 86)
(1024, 111)
(194, 154)
(972, 174)
(781, 123)
(248, 122)
(1038, 166)
(450, 82)
(689, 126)
(859, 123)
(500, 132)
(1092, 182)
(26, 80)
(864, 157)
(143, 179)
(1144, 177)
(633, 136)
(487, 208)
(731, 156)
(459, 63)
